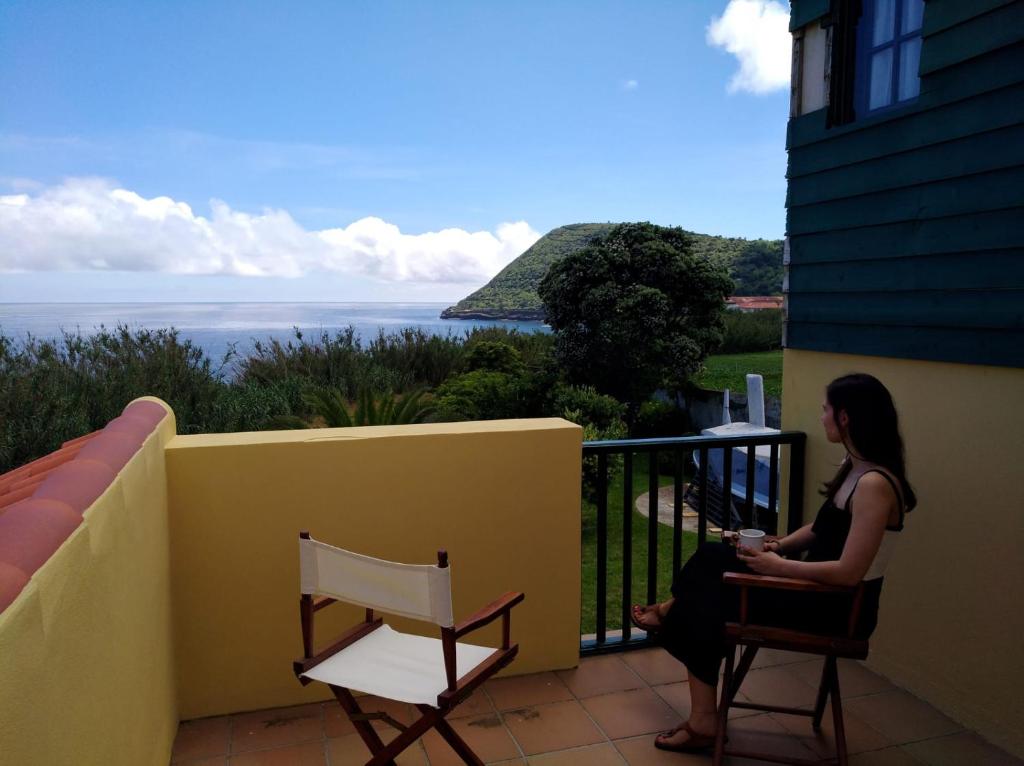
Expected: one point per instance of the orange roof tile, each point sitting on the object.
(42, 502)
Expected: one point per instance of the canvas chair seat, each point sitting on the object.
(397, 666)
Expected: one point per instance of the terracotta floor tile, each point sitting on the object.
(350, 749)
(859, 736)
(630, 713)
(526, 691)
(891, 756)
(604, 754)
(855, 680)
(309, 754)
(761, 733)
(767, 658)
(220, 760)
(655, 666)
(777, 686)
(485, 735)
(640, 751)
(510, 762)
(678, 698)
(600, 675)
(557, 726)
(477, 704)
(274, 728)
(901, 716)
(201, 738)
(955, 749)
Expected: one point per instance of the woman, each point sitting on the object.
(850, 541)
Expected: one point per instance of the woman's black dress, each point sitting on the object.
(693, 631)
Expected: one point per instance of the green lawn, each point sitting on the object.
(730, 371)
(615, 526)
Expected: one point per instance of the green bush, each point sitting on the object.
(602, 411)
(495, 356)
(479, 395)
(660, 419)
(55, 390)
(747, 331)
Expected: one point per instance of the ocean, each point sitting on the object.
(214, 327)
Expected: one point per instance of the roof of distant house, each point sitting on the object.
(753, 302)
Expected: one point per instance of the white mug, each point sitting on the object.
(752, 539)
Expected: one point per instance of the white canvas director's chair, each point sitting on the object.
(432, 674)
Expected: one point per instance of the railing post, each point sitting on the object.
(652, 527)
(602, 547)
(627, 541)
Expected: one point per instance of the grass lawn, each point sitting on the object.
(639, 547)
(730, 371)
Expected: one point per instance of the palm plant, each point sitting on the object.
(330, 409)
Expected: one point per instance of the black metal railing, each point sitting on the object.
(714, 503)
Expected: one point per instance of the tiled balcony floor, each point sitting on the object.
(605, 712)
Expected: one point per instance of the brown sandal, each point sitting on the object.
(634, 617)
(695, 744)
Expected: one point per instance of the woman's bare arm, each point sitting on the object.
(870, 508)
(793, 543)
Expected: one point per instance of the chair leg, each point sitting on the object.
(746, 660)
(457, 743)
(837, 716)
(723, 706)
(362, 727)
(406, 738)
(823, 689)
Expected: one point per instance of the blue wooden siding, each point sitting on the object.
(906, 230)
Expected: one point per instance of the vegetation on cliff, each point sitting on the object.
(755, 265)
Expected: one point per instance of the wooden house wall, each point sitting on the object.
(906, 229)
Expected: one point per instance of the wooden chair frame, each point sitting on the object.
(457, 691)
(754, 637)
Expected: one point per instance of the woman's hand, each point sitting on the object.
(762, 562)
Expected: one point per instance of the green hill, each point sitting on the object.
(512, 294)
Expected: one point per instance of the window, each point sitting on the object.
(875, 56)
(888, 53)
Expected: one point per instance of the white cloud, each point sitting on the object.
(757, 33)
(630, 85)
(91, 224)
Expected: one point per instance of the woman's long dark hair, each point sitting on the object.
(872, 429)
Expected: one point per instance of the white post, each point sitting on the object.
(726, 417)
(755, 400)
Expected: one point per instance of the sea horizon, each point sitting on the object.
(218, 327)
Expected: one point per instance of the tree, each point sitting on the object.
(635, 311)
(758, 268)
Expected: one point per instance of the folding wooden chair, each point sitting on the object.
(432, 674)
(754, 637)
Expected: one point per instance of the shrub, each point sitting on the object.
(602, 411)
(495, 356)
(479, 395)
(751, 331)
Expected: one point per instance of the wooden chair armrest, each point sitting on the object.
(488, 614)
(782, 583)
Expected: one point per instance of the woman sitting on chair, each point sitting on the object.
(850, 541)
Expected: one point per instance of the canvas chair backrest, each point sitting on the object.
(420, 591)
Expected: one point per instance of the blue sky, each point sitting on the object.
(185, 150)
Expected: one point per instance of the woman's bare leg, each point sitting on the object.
(703, 714)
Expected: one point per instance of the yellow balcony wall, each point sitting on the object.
(86, 659)
(503, 497)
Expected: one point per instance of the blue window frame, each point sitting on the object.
(888, 54)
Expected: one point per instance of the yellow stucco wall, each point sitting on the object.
(86, 663)
(503, 497)
(952, 616)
